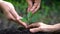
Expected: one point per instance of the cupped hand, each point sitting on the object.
(36, 27)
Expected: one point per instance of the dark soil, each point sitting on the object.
(21, 31)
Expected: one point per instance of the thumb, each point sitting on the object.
(33, 30)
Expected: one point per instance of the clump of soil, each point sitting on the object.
(20, 31)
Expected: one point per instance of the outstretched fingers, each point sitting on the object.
(34, 25)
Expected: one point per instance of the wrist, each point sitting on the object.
(51, 28)
(56, 27)
(48, 28)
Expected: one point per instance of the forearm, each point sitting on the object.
(57, 26)
(51, 28)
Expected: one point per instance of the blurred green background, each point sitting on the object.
(49, 13)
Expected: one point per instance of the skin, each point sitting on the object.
(33, 7)
(36, 27)
(10, 13)
(43, 27)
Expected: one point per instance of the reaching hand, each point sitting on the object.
(36, 27)
(10, 13)
(33, 5)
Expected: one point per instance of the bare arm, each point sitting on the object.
(57, 26)
(50, 28)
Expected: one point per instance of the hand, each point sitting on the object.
(19, 21)
(36, 27)
(30, 5)
(33, 7)
(10, 13)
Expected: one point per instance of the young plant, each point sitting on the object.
(27, 19)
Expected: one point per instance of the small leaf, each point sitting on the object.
(29, 14)
(24, 20)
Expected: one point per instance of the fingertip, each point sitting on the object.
(32, 31)
(26, 26)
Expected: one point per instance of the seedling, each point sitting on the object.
(28, 17)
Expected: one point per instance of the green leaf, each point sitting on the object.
(24, 20)
(29, 15)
